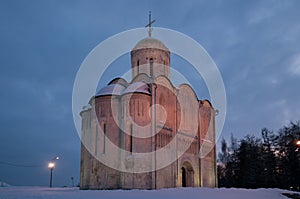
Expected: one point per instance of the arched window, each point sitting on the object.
(96, 140)
(151, 67)
(104, 137)
(131, 139)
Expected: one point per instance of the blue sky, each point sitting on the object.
(255, 44)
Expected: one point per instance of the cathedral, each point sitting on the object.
(126, 121)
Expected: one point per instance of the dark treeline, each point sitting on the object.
(272, 160)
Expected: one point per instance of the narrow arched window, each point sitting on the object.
(104, 137)
(96, 140)
(131, 139)
(151, 67)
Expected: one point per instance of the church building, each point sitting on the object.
(145, 116)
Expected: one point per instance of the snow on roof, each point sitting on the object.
(112, 89)
(137, 87)
(150, 42)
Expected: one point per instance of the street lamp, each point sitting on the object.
(55, 158)
(298, 142)
(51, 166)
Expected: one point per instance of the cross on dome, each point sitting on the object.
(150, 24)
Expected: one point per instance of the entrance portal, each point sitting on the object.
(183, 177)
(187, 175)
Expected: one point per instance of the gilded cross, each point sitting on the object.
(149, 24)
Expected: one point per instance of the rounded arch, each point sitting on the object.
(189, 110)
(119, 80)
(189, 89)
(187, 174)
(206, 103)
(142, 77)
(187, 165)
(163, 80)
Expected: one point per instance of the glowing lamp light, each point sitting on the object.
(298, 142)
(51, 165)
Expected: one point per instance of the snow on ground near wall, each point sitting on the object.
(174, 193)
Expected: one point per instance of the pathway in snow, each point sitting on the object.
(178, 193)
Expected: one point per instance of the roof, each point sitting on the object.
(150, 42)
(112, 89)
(137, 87)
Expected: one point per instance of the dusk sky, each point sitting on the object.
(255, 44)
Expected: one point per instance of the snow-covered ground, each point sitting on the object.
(178, 193)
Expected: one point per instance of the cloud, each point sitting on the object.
(259, 15)
(292, 34)
(266, 10)
(45, 43)
(294, 68)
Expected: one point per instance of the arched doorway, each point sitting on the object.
(187, 175)
(183, 171)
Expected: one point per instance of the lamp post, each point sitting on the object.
(51, 166)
